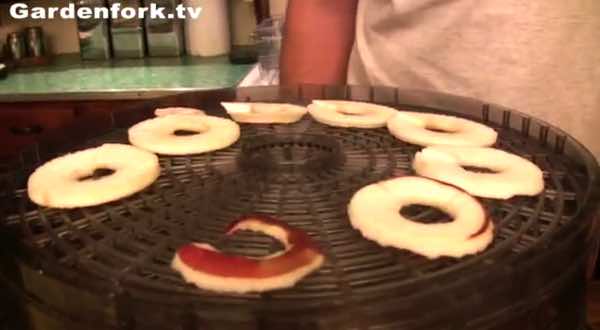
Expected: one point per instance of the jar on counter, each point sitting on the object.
(35, 44)
(15, 46)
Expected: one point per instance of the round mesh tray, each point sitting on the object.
(108, 266)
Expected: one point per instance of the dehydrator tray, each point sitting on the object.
(107, 267)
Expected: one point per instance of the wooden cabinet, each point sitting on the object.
(25, 123)
(22, 124)
(34, 118)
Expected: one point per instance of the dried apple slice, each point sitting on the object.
(350, 113)
(161, 112)
(510, 175)
(211, 269)
(470, 231)
(264, 113)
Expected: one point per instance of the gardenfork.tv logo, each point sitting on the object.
(115, 11)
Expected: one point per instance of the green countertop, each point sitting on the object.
(69, 78)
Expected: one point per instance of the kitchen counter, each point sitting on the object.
(69, 78)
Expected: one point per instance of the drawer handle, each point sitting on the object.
(26, 130)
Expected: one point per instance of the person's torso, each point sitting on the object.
(537, 56)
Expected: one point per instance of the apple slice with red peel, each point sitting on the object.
(470, 231)
(211, 269)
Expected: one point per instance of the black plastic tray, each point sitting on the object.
(108, 266)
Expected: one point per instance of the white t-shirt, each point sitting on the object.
(541, 57)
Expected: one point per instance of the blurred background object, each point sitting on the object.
(34, 41)
(94, 37)
(208, 35)
(164, 35)
(60, 34)
(127, 33)
(3, 69)
(15, 46)
(222, 24)
(277, 8)
(243, 21)
(268, 39)
(25, 48)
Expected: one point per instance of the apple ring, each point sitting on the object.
(350, 113)
(264, 113)
(161, 112)
(424, 129)
(159, 134)
(72, 180)
(374, 211)
(210, 269)
(512, 175)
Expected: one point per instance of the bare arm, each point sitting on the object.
(318, 38)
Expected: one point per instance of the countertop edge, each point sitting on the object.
(118, 94)
(134, 94)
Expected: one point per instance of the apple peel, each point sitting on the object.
(208, 268)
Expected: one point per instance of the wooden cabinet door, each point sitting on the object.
(22, 124)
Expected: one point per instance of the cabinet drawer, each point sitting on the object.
(22, 119)
(22, 124)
